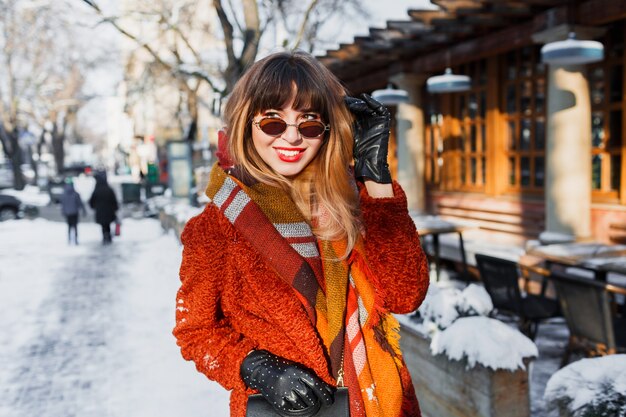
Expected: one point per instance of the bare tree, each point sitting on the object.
(15, 44)
(192, 48)
(41, 87)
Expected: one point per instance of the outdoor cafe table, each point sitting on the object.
(597, 257)
(434, 226)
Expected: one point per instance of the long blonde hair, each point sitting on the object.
(324, 191)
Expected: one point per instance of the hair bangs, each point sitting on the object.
(286, 80)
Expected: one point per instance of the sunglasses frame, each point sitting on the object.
(296, 125)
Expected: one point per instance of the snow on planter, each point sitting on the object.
(439, 306)
(443, 305)
(590, 387)
(485, 341)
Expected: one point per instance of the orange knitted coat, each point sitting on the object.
(231, 301)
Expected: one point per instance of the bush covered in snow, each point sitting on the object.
(484, 340)
(443, 305)
(456, 323)
(593, 387)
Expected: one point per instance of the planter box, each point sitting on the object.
(445, 388)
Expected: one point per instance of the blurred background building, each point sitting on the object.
(526, 147)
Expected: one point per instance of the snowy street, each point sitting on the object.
(87, 329)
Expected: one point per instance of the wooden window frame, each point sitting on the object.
(528, 71)
(607, 194)
(449, 150)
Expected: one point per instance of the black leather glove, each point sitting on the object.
(371, 138)
(284, 384)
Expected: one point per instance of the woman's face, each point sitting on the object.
(289, 152)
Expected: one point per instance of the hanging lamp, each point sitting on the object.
(572, 51)
(391, 96)
(448, 83)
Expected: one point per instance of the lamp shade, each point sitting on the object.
(448, 83)
(391, 96)
(572, 51)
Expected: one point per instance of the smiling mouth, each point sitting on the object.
(289, 155)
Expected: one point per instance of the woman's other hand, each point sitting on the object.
(286, 385)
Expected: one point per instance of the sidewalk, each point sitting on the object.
(88, 328)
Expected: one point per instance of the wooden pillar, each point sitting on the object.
(568, 152)
(568, 144)
(568, 141)
(410, 141)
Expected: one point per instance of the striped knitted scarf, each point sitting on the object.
(337, 295)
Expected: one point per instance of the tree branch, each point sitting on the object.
(252, 33)
(227, 28)
(305, 21)
(176, 72)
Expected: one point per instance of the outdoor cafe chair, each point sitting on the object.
(501, 280)
(595, 327)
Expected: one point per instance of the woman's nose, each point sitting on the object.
(291, 134)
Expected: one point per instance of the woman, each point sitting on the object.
(290, 273)
(104, 202)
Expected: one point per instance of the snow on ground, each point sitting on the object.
(87, 329)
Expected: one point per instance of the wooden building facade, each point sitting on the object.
(530, 147)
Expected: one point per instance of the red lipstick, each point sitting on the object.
(290, 154)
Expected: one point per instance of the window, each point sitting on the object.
(456, 134)
(523, 103)
(434, 141)
(606, 85)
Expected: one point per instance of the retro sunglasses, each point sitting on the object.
(274, 126)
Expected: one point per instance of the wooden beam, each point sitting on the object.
(456, 5)
(427, 16)
(492, 43)
(487, 20)
(409, 27)
(345, 52)
(387, 34)
(429, 29)
(475, 49)
(512, 8)
(599, 12)
(542, 3)
(453, 26)
(367, 83)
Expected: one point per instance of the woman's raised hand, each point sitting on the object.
(371, 138)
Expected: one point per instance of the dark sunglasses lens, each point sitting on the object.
(272, 127)
(311, 129)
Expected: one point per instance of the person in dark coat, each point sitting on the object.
(71, 204)
(104, 202)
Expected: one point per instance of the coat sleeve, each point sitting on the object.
(394, 251)
(203, 333)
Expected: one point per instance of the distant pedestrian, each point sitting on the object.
(104, 202)
(71, 205)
